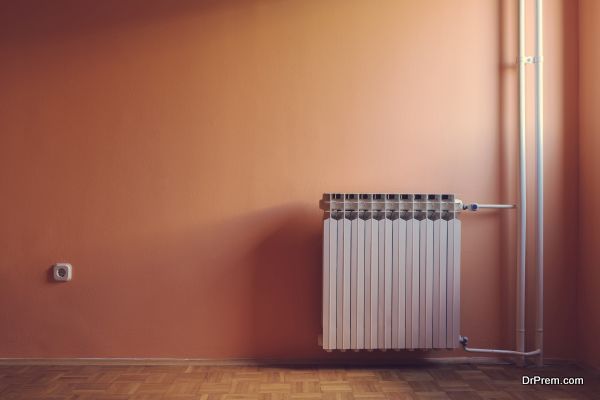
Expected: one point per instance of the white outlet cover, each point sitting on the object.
(62, 272)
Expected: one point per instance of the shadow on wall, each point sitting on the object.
(287, 291)
(508, 129)
(253, 283)
(240, 286)
(259, 292)
(31, 19)
(286, 265)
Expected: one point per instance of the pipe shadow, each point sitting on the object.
(508, 128)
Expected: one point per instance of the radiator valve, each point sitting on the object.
(471, 207)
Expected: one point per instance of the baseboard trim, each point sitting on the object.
(262, 362)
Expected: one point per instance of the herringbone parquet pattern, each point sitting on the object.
(233, 383)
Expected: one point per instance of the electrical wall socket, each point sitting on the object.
(62, 272)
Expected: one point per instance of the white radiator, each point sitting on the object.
(391, 271)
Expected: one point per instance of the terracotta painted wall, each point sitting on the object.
(174, 152)
(589, 191)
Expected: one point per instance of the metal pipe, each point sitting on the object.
(477, 206)
(497, 206)
(539, 135)
(508, 352)
(539, 143)
(463, 340)
(523, 187)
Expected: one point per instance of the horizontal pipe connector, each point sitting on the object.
(506, 352)
(464, 340)
(477, 206)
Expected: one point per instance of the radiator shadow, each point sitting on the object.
(286, 264)
(287, 294)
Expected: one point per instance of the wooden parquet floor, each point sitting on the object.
(462, 381)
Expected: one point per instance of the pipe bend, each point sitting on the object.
(463, 340)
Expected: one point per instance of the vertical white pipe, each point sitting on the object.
(523, 186)
(539, 143)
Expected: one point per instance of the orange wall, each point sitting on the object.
(174, 152)
(589, 190)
